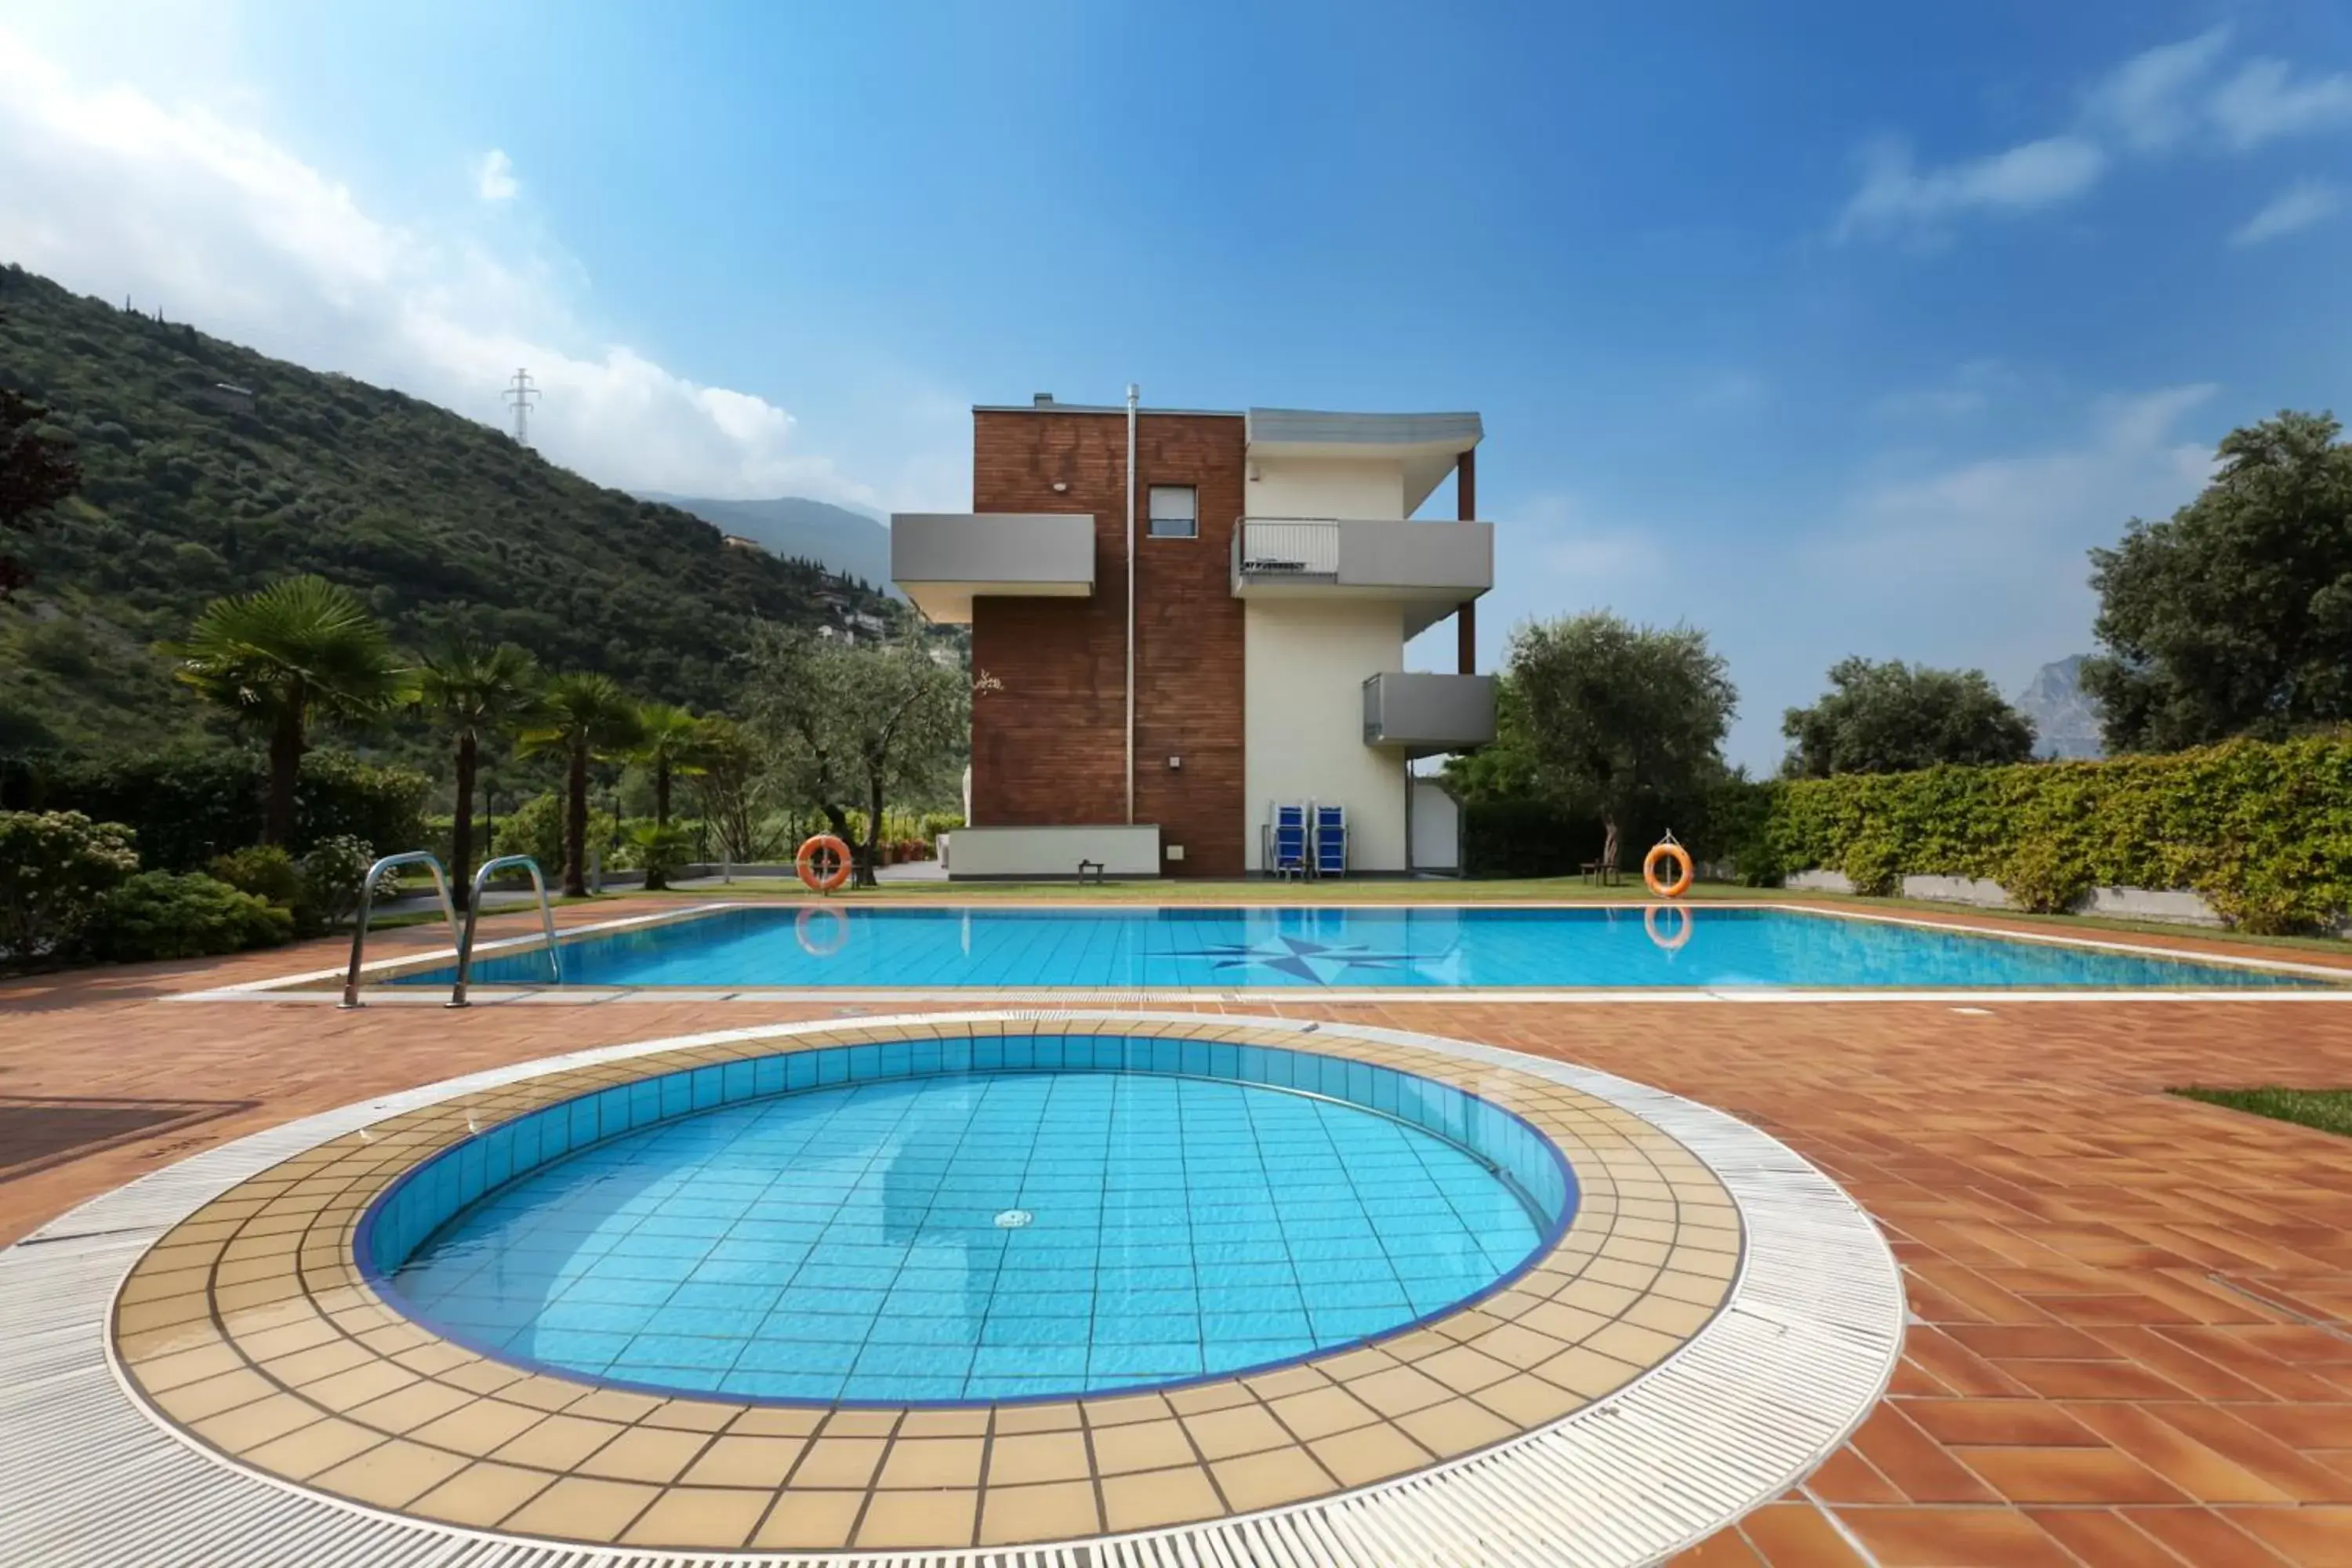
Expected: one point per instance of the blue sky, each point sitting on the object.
(1831, 329)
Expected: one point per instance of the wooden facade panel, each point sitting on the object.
(1049, 746)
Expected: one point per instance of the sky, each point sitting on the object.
(1831, 329)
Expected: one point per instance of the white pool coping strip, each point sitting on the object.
(1801, 1351)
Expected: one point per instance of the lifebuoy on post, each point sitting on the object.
(1667, 849)
(836, 855)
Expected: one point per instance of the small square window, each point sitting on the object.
(1175, 512)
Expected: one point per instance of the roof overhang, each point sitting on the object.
(1425, 445)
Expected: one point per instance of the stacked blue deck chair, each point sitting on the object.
(1330, 840)
(1284, 850)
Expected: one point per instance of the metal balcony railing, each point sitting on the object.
(1287, 547)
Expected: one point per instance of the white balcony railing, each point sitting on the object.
(1445, 563)
(1288, 548)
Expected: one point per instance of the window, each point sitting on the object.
(1175, 512)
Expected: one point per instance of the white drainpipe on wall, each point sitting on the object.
(1131, 603)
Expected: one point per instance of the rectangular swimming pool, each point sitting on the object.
(862, 946)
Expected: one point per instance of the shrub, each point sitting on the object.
(189, 806)
(168, 914)
(536, 829)
(331, 876)
(660, 850)
(264, 870)
(56, 868)
(2263, 832)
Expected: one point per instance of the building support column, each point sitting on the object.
(1466, 619)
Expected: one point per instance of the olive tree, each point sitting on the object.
(1621, 718)
(1893, 717)
(851, 726)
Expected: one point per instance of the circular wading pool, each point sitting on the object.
(880, 1230)
(945, 1289)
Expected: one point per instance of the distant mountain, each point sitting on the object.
(210, 469)
(843, 542)
(2066, 721)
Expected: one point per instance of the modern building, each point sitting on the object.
(1183, 618)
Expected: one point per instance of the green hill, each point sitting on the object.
(192, 491)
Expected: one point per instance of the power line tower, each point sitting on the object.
(521, 396)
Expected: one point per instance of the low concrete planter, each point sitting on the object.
(2177, 906)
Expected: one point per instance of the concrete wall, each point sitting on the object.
(2178, 906)
(1306, 487)
(1035, 852)
(1305, 665)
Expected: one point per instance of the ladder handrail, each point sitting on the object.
(367, 903)
(474, 911)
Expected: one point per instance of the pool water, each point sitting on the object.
(982, 1235)
(862, 945)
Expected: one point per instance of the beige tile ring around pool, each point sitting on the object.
(1714, 1321)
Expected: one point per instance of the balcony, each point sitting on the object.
(943, 561)
(1431, 567)
(1426, 715)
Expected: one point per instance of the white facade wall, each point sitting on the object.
(1304, 663)
(1324, 487)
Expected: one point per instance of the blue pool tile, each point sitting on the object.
(843, 1243)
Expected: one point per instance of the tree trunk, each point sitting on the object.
(871, 859)
(1609, 840)
(461, 825)
(575, 825)
(284, 768)
(655, 881)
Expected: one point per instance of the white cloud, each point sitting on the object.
(1968, 390)
(494, 176)
(2010, 533)
(2147, 100)
(2298, 207)
(1591, 561)
(2157, 99)
(1895, 196)
(112, 191)
(2264, 101)
(1729, 389)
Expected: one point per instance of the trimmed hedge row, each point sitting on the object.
(2262, 831)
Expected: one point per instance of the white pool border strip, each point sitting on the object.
(286, 988)
(1800, 1353)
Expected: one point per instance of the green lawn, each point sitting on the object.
(2329, 1109)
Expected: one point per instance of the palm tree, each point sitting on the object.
(668, 740)
(478, 693)
(299, 650)
(584, 717)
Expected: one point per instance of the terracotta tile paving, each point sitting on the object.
(2133, 1314)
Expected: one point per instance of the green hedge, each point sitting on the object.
(190, 806)
(2263, 832)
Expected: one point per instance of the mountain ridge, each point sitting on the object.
(841, 539)
(2066, 720)
(211, 469)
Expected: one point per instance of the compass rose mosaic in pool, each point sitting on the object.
(1318, 961)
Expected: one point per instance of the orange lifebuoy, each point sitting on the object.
(1682, 917)
(1667, 849)
(834, 850)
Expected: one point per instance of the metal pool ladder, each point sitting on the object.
(367, 903)
(474, 913)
